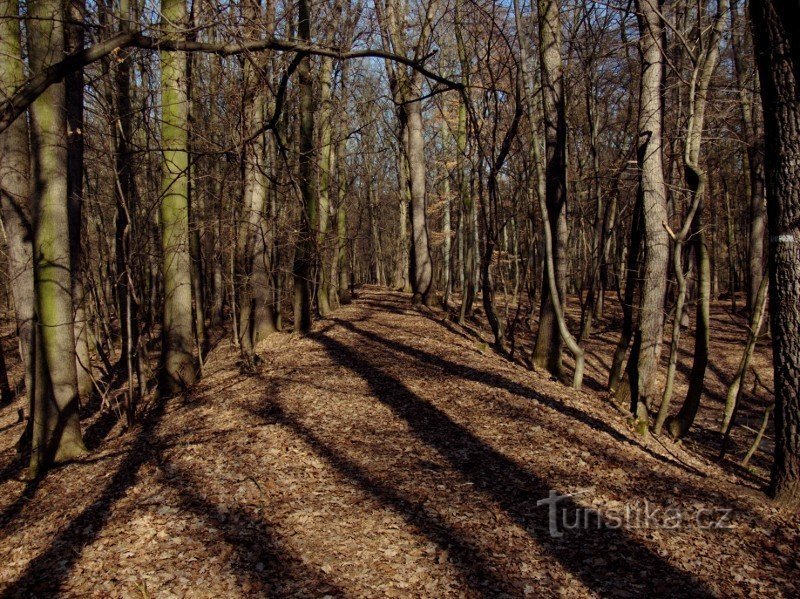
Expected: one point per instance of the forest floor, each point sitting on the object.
(392, 453)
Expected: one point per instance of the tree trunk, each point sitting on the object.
(56, 429)
(549, 345)
(422, 279)
(304, 250)
(778, 56)
(654, 207)
(695, 181)
(177, 339)
(74, 89)
(325, 166)
(754, 164)
(126, 201)
(679, 425)
(15, 190)
(446, 230)
(734, 390)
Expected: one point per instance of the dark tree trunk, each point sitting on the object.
(305, 244)
(549, 345)
(777, 44)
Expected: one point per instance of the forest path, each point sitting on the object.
(388, 453)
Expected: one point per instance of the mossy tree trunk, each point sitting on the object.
(56, 434)
(15, 190)
(178, 366)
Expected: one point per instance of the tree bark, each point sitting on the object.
(422, 271)
(778, 56)
(304, 250)
(74, 88)
(754, 164)
(56, 429)
(654, 208)
(177, 339)
(549, 344)
(15, 189)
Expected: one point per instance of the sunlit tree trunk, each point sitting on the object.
(56, 430)
(654, 208)
(15, 190)
(422, 261)
(695, 179)
(177, 337)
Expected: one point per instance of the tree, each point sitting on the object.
(304, 251)
(652, 189)
(754, 160)
(56, 434)
(549, 343)
(177, 339)
(409, 91)
(777, 47)
(74, 82)
(15, 188)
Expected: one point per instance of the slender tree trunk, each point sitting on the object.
(734, 390)
(754, 164)
(549, 344)
(177, 338)
(325, 166)
(615, 374)
(422, 280)
(594, 291)
(304, 250)
(126, 201)
(654, 205)
(695, 181)
(446, 230)
(679, 425)
(74, 86)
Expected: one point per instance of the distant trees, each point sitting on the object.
(240, 164)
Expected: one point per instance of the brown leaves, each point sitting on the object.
(385, 457)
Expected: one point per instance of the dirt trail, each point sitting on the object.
(386, 454)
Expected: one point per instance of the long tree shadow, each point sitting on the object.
(501, 382)
(48, 571)
(629, 565)
(251, 538)
(466, 556)
(260, 556)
